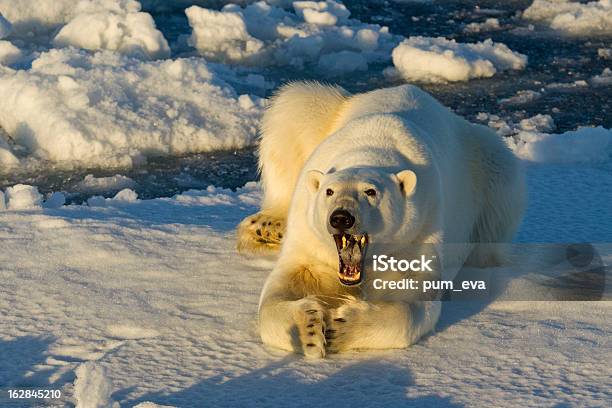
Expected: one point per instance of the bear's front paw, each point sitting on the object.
(310, 317)
(346, 324)
(260, 231)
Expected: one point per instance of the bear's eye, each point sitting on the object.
(370, 192)
(329, 192)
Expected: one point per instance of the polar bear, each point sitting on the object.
(344, 172)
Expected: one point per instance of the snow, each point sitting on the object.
(530, 139)
(91, 388)
(130, 332)
(125, 30)
(584, 145)
(604, 79)
(34, 17)
(9, 54)
(104, 109)
(5, 27)
(539, 122)
(321, 12)
(145, 302)
(427, 59)
(605, 53)
(490, 24)
(161, 312)
(21, 197)
(581, 19)
(55, 200)
(317, 34)
(7, 158)
(126, 195)
(92, 184)
(567, 86)
(521, 97)
(116, 25)
(339, 63)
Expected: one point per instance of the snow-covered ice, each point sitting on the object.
(427, 59)
(145, 302)
(603, 79)
(489, 24)
(522, 96)
(315, 34)
(531, 139)
(92, 184)
(162, 311)
(5, 27)
(104, 109)
(577, 146)
(605, 53)
(122, 28)
(7, 158)
(9, 54)
(21, 196)
(574, 18)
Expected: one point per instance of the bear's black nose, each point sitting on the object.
(341, 219)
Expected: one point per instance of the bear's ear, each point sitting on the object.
(407, 181)
(313, 180)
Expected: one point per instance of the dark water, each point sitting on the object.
(553, 59)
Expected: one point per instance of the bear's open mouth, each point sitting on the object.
(351, 256)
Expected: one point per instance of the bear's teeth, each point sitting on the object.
(343, 242)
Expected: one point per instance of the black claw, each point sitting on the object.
(310, 345)
(340, 319)
(310, 325)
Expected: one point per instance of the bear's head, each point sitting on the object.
(357, 206)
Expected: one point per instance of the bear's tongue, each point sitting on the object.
(351, 256)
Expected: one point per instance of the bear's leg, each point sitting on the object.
(380, 325)
(294, 325)
(299, 118)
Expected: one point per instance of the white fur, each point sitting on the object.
(440, 180)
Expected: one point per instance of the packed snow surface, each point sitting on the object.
(146, 302)
(92, 388)
(111, 110)
(428, 59)
(574, 18)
